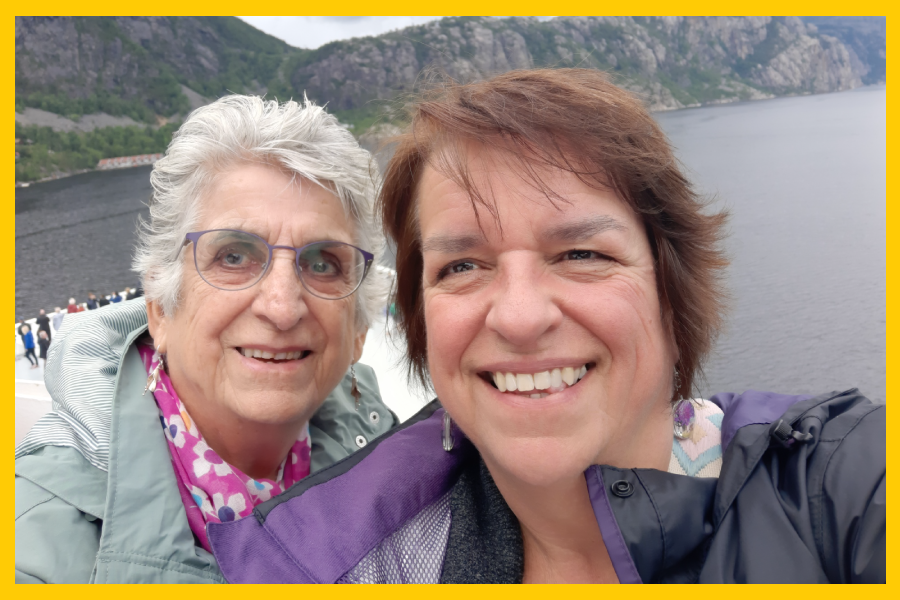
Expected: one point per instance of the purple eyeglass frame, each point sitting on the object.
(191, 238)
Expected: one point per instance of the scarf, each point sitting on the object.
(213, 491)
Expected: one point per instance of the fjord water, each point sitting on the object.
(803, 179)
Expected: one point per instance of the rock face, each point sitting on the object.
(672, 61)
(142, 59)
(42, 118)
(864, 37)
(172, 64)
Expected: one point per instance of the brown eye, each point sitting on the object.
(457, 267)
(461, 267)
(582, 255)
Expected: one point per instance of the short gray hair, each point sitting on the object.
(302, 139)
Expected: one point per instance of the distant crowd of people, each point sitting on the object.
(43, 322)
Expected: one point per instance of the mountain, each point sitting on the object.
(673, 61)
(142, 67)
(157, 68)
(865, 37)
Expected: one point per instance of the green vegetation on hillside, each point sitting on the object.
(73, 108)
(157, 93)
(246, 58)
(44, 152)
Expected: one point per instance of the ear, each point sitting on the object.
(158, 325)
(359, 342)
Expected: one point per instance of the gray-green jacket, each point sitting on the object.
(96, 495)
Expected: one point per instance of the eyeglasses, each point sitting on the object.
(230, 259)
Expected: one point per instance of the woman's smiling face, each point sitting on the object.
(535, 299)
(215, 340)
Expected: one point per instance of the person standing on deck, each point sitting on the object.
(43, 344)
(28, 341)
(57, 318)
(43, 323)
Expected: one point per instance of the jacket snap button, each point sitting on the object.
(374, 417)
(622, 488)
(360, 441)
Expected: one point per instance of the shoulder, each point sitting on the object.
(66, 474)
(803, 477)
(340, 428)
(321, 528)
(59, 500)
(828, 415)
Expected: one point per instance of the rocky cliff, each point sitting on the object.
(673, 61)
(155, 63)
(132, 65)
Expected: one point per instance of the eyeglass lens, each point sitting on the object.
(234, 260)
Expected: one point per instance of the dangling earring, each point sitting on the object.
(354, 387)
(683, 413)
(447, 434)
(153, 378)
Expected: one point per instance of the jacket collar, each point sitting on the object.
(324, 525)
(652, 521)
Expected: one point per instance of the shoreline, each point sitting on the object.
(724, 102)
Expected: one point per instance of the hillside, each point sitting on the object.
(136, 66)
(154, 70)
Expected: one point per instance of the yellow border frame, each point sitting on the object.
(767, 7)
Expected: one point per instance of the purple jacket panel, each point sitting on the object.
(751, 408)
(616, 546)
(333, 525)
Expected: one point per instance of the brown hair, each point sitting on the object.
(578, 121)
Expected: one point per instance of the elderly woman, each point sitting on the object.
(557, 280)
(235, 379)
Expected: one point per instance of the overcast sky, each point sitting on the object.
(312, 32)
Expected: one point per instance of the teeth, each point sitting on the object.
(556, 378)
(524, 382)
(500, 381)
(255, 353)
(551, 380)
(510, 382)
(542, 380)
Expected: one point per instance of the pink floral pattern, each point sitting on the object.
(212, 490)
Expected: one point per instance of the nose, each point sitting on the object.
(524, 306)
(281, 299)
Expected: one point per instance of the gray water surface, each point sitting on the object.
(803, 179)
(76, 235)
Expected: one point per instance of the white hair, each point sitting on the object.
(304, 140)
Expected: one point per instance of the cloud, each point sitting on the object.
(312, 32)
